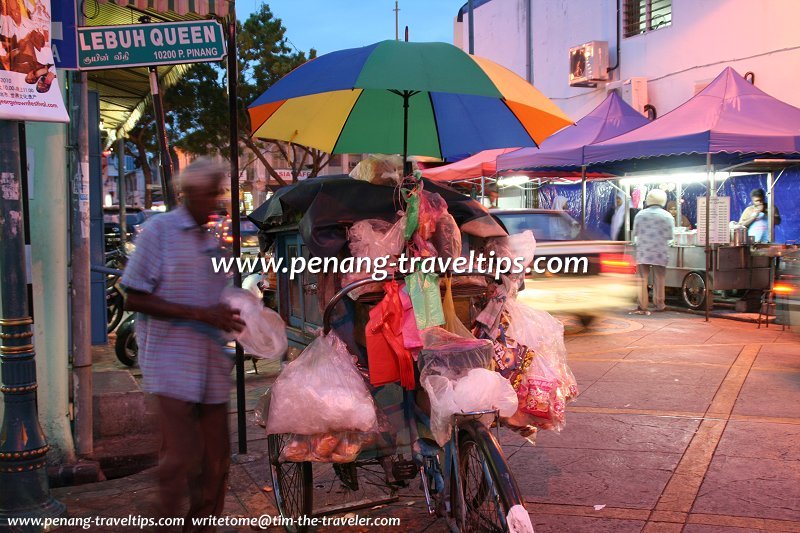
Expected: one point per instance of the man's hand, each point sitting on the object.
(224, 317)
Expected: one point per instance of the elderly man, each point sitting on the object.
(652, 231)
(170, 282)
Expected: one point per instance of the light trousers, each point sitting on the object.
(659, 278)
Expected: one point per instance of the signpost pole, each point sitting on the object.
(163, 147)
(24, 491)
(233, 106)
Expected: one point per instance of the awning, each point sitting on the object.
(220, 8)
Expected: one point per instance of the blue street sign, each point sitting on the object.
(63, 34)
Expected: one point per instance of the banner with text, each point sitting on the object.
(142, 45)
(28, 86)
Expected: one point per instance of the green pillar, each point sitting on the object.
(49, 214)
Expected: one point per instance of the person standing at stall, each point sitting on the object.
(170, 282)
(615, 217)
(754, 217)
(652, 231)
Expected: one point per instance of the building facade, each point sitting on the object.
(675, 46)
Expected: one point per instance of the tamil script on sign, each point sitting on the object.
(150, 44)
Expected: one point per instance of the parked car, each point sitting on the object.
(574, 272)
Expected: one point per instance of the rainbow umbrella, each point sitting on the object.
(425, 99)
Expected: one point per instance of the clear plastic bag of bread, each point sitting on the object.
(321, 392)
(380, 169)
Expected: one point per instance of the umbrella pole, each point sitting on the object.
(583, 197)
(406, 162)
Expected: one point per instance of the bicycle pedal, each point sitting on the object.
(404, 470)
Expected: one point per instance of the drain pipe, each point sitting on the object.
(619, 37)
(529, 47)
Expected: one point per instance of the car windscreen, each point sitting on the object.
(548, 226)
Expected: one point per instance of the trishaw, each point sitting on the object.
(467, 481)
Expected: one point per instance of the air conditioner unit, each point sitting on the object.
(633, 91)
(588, 64)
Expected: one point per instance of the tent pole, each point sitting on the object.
(583, 197)
(678, 196)
(483, 189)
(709, 258)
(627, 191)
(771, 206)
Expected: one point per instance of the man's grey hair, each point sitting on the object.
(202, 172)
(656, 197)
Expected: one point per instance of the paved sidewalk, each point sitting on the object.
(681, 425)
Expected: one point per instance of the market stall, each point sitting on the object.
(726, 125)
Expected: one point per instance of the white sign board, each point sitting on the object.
(28, 83)
(719, 220)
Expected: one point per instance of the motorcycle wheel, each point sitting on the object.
(125, 346)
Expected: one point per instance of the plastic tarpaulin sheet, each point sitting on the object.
(729, 118)
(599, 201)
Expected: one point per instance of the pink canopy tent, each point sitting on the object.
(482, 164)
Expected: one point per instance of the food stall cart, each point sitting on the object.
(726, 126)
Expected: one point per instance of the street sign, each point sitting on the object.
(142, 45)
(63, 36)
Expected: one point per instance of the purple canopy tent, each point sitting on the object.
(564, 151)
(730, 119)
(726, 124)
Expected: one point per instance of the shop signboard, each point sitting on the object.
(142, 45)
(28, 82)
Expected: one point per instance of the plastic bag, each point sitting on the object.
(424, 292)
(541, 332)
(447, 238)
(321, 392)
(264, 335)
(477, 390)
(432, 207)
(340, 447)
(520, 245)
(451, 321)
(380, 169)
(377, 238)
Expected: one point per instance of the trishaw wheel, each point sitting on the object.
(291, 483)
(488, 488)
(693, 290)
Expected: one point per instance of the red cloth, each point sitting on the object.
(389, 360)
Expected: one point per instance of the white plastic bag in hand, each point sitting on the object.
(264, 335)
(320, 392)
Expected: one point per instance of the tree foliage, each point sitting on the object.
(197, 108)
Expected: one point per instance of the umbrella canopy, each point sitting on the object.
(564, 150)
(481, 164)
(428, 99)
(729, 119)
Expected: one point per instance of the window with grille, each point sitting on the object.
(641, 16)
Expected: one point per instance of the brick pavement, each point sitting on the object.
(681, 425)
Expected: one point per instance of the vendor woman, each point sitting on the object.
(672, 207)
(754, 217)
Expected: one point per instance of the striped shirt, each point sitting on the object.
(182, 359)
